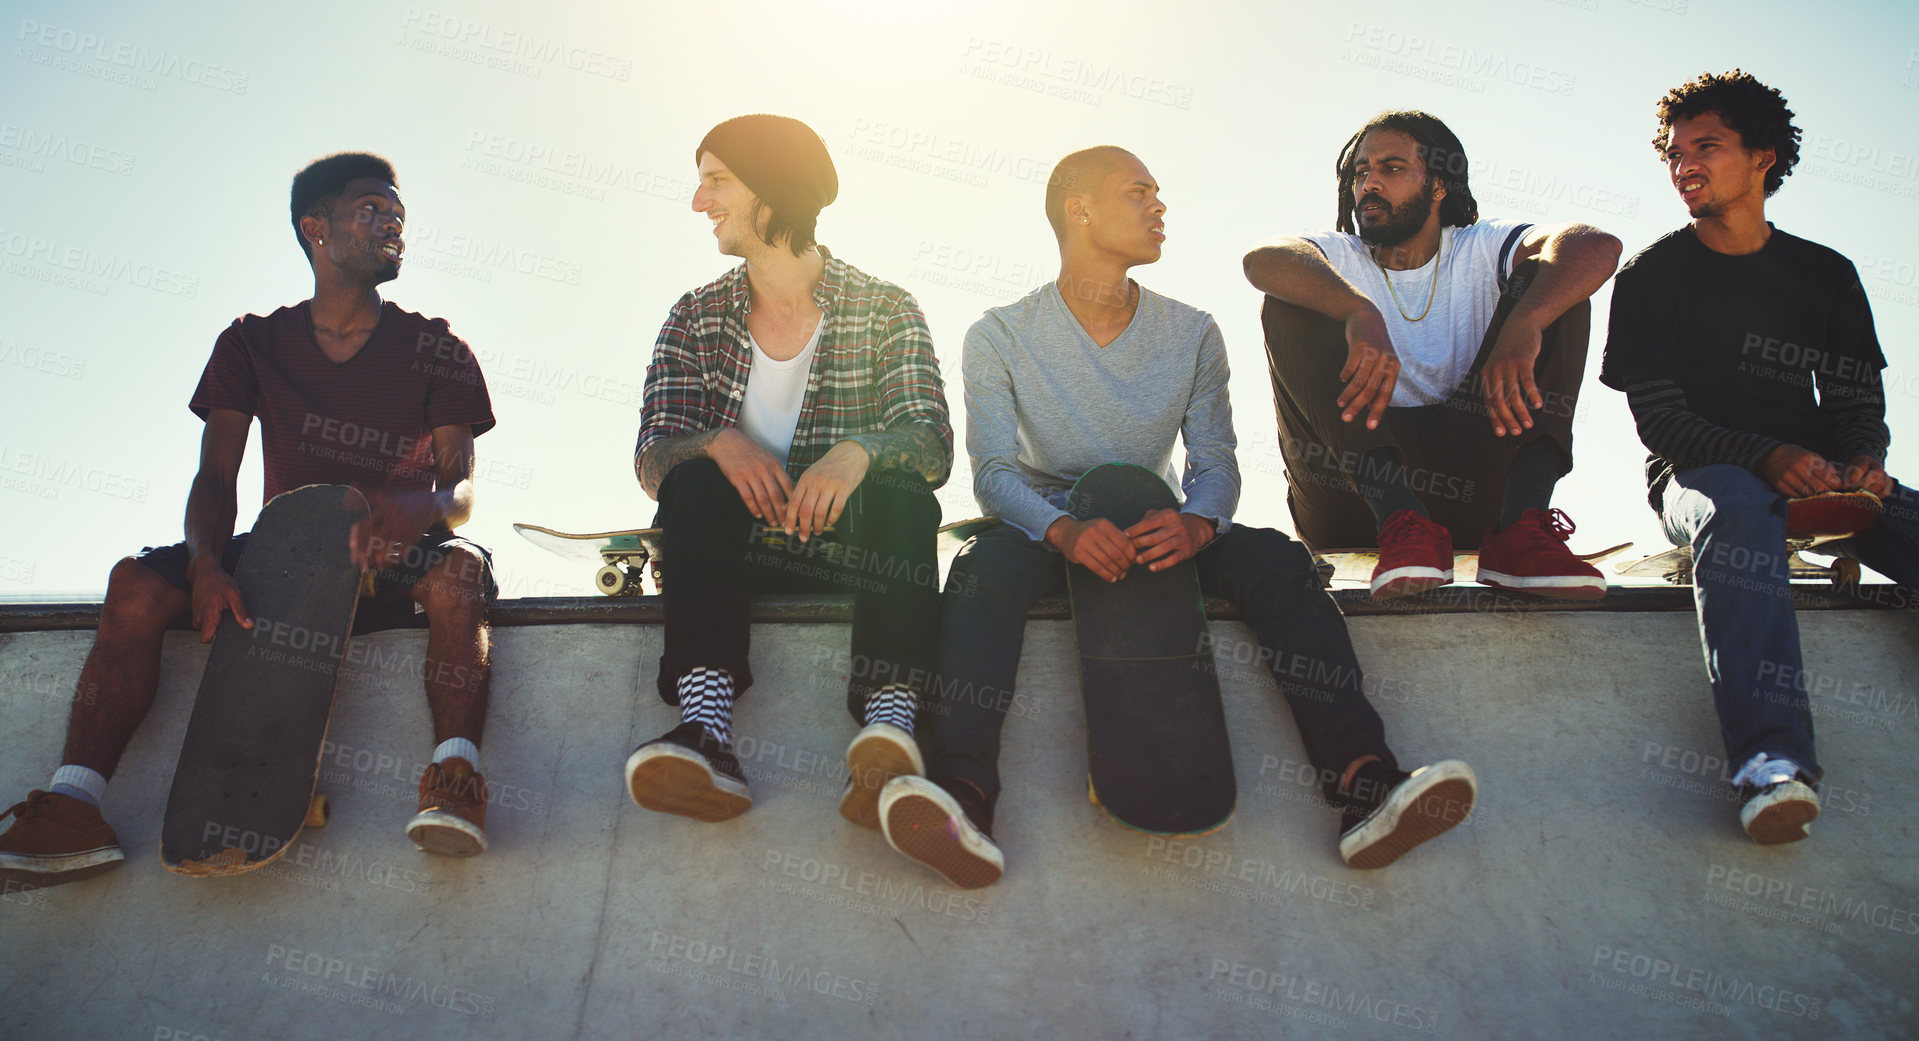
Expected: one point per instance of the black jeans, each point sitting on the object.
(1302, 637)
(715, 556)
(1453, 462)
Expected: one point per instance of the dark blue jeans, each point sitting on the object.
(999, 574)
(1736, 526)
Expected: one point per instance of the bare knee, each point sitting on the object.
(140, 601)
(453, 592)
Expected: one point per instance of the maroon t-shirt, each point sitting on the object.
(367, 421)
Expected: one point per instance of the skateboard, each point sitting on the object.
(1356, 565)
(625, 556)
(1811, 522)
(245, 784)
(1158, 756)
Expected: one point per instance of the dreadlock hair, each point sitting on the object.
(320, 185)
(1438, 149)
(1756, 112)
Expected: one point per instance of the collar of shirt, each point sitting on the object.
(825, 295)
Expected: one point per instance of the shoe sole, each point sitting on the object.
(1782, 821)
(921, 830)
(1406, 581)
(1559, 587)
(669, 779)
(1411, 817)
(876, 757)
(445, 834)
(54, 871)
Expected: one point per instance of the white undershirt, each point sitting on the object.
(774, 392)
(1463, 281)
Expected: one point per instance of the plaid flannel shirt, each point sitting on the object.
(874, 368)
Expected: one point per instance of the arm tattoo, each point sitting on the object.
(652, 464)
(914, 447)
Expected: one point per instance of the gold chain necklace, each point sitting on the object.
(1431, 293)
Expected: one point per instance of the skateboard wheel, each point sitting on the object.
(611, 579)
(1845, 571)
(317, 811)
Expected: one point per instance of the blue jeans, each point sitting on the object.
(1736, 526)
(999, 574)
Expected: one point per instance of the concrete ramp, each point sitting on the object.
(1603, 889)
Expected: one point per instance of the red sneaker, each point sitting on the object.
(1530, 556)
(1415, 555)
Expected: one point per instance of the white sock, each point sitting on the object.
(891, 704)
(706, 698)
(458, 748)
(79, 782)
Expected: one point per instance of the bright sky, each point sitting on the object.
(546, 163)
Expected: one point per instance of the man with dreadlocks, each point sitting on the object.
(1719, 334)
(1425, 368)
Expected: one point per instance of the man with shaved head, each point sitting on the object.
(1108, 371)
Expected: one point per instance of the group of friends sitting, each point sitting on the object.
(1426, 365)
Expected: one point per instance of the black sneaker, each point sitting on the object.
(1388, 812)
(943, 826)
(688, 772)
(1777, 800)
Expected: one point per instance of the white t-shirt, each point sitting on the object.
(1436, 352)
(774, 392)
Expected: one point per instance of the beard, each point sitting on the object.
(1401, 222)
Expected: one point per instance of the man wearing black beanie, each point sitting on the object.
(793, 432)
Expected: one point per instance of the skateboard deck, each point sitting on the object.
(1356, 565)
(1811, 522)
(1158, 755)
(625, 556)
(244, 786)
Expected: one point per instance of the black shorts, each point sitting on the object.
(388, 608)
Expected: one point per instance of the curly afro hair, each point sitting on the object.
(1756, 112)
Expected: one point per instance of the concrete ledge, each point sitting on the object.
(1602, 889)
(1354, 603)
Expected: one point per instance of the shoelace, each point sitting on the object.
(1763, 771)
(35, 802)
(1553, 528)
(1403, 524)
(444, 784)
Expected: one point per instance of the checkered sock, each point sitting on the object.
(706, 698)
(891, 704)
(78, 782)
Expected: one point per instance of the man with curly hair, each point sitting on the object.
(1749, 361)
(1472, 331)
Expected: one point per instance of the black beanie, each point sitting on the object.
(784, 163)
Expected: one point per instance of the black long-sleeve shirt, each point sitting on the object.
(1724, 358)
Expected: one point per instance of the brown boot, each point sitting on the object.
(55, 839)
(452, 817)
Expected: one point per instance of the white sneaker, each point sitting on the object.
(925, 823)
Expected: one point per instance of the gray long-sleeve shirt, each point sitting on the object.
(1045, 404)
